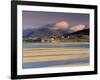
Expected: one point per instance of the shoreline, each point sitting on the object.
(60, 42)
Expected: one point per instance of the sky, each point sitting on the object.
(36, 19)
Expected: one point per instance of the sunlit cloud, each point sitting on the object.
(77, 27)
(61, 24)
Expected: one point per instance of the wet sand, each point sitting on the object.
(31, 55)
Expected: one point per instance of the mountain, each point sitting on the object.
(48, 30)
(27, 32)
(78, 33)
(43, 32)
(57, 29)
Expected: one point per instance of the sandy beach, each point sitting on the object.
(54, 54)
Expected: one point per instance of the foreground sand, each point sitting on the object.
(52, 54)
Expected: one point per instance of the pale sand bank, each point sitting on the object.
(43, 51)
(43, 54)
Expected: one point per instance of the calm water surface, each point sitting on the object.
(58, 45)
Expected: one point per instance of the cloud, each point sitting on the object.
(77, 27)
(62, 24)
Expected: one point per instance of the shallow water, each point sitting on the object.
(59, 45)
(54, 63)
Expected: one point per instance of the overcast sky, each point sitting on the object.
(35, 19)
